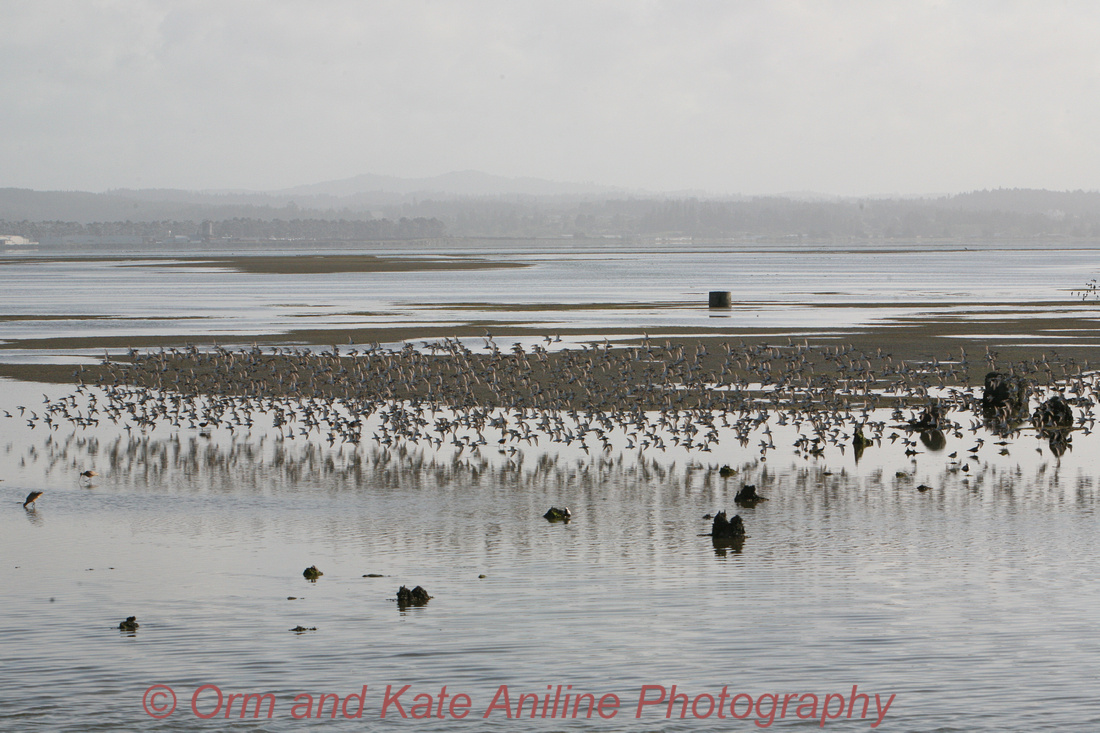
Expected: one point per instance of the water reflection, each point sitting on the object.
(933, 440)
(270, 467)
(724, 546)
(847, 572)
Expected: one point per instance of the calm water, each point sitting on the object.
(971, 603)
(652, 286)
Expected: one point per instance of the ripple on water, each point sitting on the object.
(971, 602)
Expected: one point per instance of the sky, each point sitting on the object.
(723, 96)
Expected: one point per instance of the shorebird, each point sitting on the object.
(31, 498)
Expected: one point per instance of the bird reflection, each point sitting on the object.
(488, 409)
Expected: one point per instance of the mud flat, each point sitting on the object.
(973, 344)
(301, 264)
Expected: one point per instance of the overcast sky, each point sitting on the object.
(726, 96)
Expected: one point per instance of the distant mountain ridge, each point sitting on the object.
(472, 204)
(455, 183)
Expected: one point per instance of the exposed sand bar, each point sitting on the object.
(914, 331)
(1072, 340)
(290, 264)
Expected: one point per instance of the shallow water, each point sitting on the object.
(971, 602)
(651, 286)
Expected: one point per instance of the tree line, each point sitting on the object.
(234, 229)
(999, 213)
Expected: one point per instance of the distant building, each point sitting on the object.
(71, 240)
(15, 240)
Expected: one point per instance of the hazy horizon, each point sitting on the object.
(754, 98)
(438, 183)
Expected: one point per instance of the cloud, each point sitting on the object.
(854, 97)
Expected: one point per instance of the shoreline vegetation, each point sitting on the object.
(148, 216)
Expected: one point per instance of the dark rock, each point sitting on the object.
(1059, 442)
(933, 439)
(130, 624)
(374, 575)
(554, 514)
(726, 471)
(299, 629)
(861, 441)
(924, 487)
(727, 534)
(934, 417)
(312, 573)
(723, 528)
(1005, 393)
(415, 597)
(747, 496)
(1054, 414)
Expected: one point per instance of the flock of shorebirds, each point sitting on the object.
(640, 396)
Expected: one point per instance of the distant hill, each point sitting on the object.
(457, 183)
(471, 204)
(1028, 201)
(20, 204)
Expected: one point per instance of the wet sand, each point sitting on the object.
(1014, 332)
(288, 264)
(330, 264)
(1011, 339)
